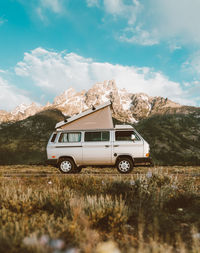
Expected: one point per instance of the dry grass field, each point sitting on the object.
(153, 210)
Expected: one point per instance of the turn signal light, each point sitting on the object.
(147, 155)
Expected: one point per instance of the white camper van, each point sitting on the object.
(83, 141)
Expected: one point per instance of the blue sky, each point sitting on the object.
(47, 46)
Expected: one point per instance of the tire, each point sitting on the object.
(124, 165)
(66, 165)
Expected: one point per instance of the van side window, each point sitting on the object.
(53, 138)
(97, 136)
(70, 137)
(125, 136)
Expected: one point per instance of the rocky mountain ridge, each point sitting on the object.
(127, 106)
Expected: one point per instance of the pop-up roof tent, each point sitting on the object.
(99, 117)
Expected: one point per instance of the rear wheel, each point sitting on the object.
(66, 165)
(124, 165)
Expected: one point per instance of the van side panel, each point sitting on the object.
(73, 150)
(95, 153)
(59, 150)
(70, 149)
(97, 150)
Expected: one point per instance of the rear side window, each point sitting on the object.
(69, 137)
(53, 138)
(97, 136)
(125, 136)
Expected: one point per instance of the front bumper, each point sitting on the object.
(143, 161)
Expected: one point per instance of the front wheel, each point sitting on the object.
(66, 165)
(124, 165)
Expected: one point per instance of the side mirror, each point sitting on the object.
(133, 137)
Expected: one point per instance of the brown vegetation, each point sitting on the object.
(150, 210)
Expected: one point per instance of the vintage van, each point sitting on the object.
(121, 146)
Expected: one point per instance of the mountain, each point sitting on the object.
(127, 106)
(20, 112)
(174, 138)
(172, 130)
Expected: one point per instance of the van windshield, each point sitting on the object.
(125, 136)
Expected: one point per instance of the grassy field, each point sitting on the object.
(150, 210)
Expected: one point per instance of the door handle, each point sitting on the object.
(107, 146)
(116, 146)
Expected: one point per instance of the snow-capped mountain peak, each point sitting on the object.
(126, 105)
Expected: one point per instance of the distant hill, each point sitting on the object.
(174, 138)
(24, 142)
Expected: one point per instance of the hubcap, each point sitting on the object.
(124, 166)
(66, 166)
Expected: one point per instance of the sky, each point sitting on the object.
(48, 46)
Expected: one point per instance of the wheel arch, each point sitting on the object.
(124, 156)
(65, 156)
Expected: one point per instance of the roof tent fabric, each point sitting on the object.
(99, 119)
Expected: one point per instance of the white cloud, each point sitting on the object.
(192, 68)
(10, 96)
(2, 71)
(55, 72)
(92, 3)
(119, 8)
(158, 21)
(173, 46)
(138, 36)
(53, 5)
(41, 15)
(177, 19)
(114, 6)
(44, 6)
(2, 20)
(192, 65)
